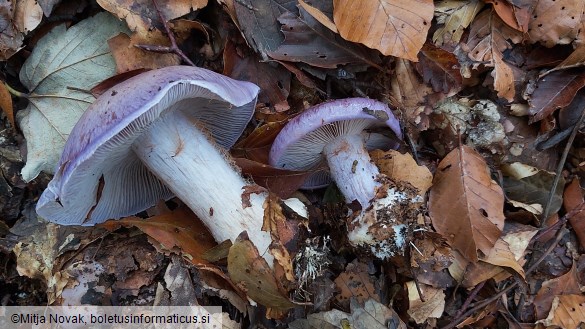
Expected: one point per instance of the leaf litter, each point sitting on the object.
(479, 87)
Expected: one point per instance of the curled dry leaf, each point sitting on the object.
(455, 17)
(432, 306)
(177, 229)
(465, 204)
(391, 26)
(128, 57)
(565, 284)
(282, 182)
(554, 91)
(250, 272)
(555, 21)
(403, 168)
(440, 68)
(567, 312)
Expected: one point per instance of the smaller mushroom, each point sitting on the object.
(340, 133)
(158, 134)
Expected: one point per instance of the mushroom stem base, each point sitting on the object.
(192, 167)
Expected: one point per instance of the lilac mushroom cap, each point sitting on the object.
(99, 176)
(302, 143)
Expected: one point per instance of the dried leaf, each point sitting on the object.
(409, 90)
(456, 17)
(488, 39)
(507, 12)
(76, 57)
(555, 21)
(274, 81)
(251, 273)
(391, 26)
(306, 40)
(374, 315)
(179, 228)
(356, 283)
(319, 15)
(403, 168)
(101, 87)
(567, 311)
(141, 14)
(566, 284)
(48, 5)
(501, 255)
(6, 104)
(465, 204)
(276, 223)
(256, 145)
(573, 198)
(432, 306)
(27, 15)
(440, 68)
(282, 182)
(128, 57)
(529, 185)
(10, 38)
(554, 91)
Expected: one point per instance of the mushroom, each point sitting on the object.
(155, 135)
(339, 133)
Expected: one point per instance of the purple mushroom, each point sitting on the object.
(339, 134)
(159, 134)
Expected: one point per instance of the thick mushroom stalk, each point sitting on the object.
(159, 134)
(351, 168)
(340, 133)
(181, 155)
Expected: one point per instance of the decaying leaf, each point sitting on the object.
(566, 284)
(128, 57)
(256, 145)
(403, 168)
(306, 40)
(391, 26)
(567, 311)
(10, 38)
(27, 15)
(455, 16)
(554, 91)
(488, 39)
(174, 229)
(6, 104)
(432, 306)
(251, 273)
(555, 21)
(356, 283)
(465, 204)
(573, 198)
(530, 186)
(140, 15)
(63, 63)
(282, 182)
(440, 68)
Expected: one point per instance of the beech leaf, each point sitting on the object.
(554, 91)
(394, 27)
(555, 21)
(63, 62)
(456, 17)
(465, 204)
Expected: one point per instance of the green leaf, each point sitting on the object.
(64, 62)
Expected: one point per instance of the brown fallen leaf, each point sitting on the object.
(179, 228)
(573, 198)
(103, 86)
(567, 311)
(391, 26)
(250, 272)
(565, 284)
(465, 204)
(403, 168)
(554, 91)
(6, 104)
(456, 17)
(432, 306)
(488, 39)
(440, 68)
(355, 282)
(10, 38)
(128, 57)
(318, 14)
(282, 182)
(256, 146)
(140, 15)
(509, 13)
(555, 21)
(409, 91)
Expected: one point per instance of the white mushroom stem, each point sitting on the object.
(351, 168)
(191, 166)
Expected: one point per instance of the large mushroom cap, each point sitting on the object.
(299, 145)
(99, 177)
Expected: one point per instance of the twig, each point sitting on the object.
(558, 173)
(470, 298)
(481, 305)
(163, 49)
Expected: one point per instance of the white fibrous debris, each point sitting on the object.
(382, 228)
(312, 260)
